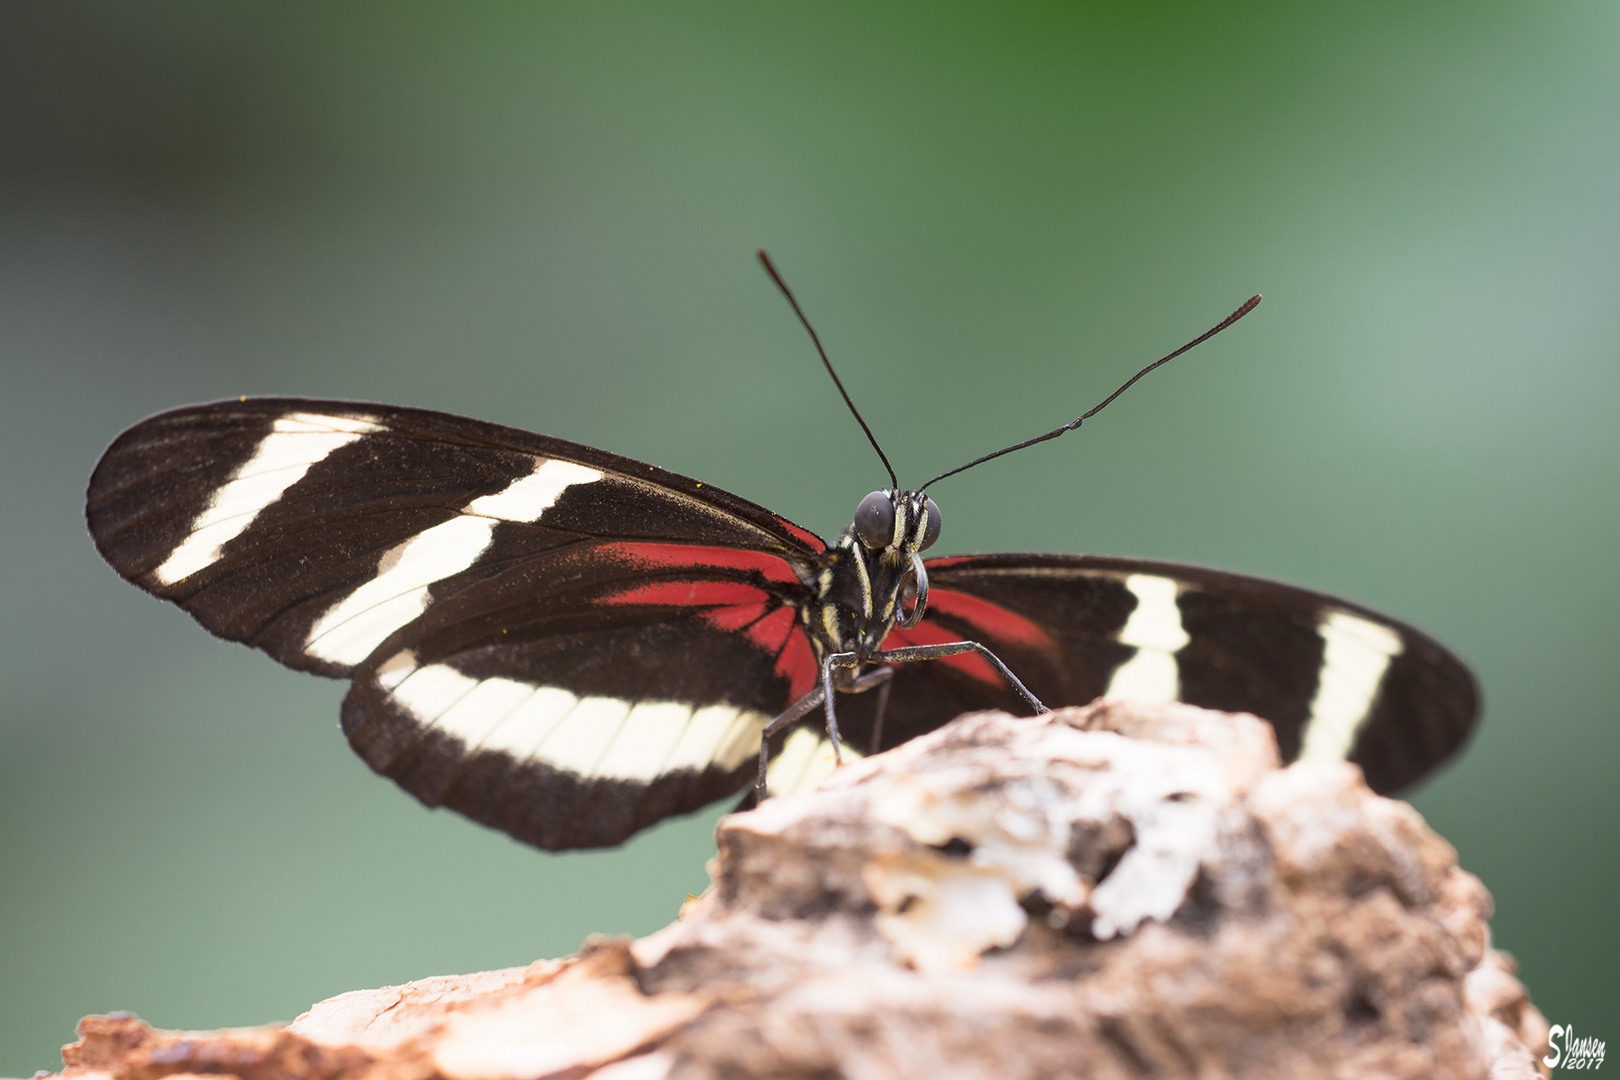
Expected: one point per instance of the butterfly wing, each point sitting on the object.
(570, 645)
(1334, 679)
(588, 692)
(636, 626)
(314, 529)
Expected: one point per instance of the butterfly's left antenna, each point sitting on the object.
(787, 292)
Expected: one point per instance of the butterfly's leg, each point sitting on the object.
(882, 678)
(792, 714)
(823, 692)
(837, 659)
(956, 648)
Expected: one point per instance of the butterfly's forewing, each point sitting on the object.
(635, 626)
(314, 529)
(1333, 679)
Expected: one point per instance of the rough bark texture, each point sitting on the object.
(1114, 891)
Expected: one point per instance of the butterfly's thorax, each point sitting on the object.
(861, 591)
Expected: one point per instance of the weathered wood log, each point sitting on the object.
(1115, 891)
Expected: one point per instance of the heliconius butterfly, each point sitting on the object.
(569, 645)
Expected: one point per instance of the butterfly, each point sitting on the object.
(570, 645)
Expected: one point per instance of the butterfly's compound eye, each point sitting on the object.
(931, 530)
(874, 520)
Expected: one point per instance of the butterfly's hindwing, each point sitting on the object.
(1334, 679)
(589, 692)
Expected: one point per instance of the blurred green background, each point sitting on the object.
(545, 215)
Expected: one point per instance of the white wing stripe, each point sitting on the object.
(583, 737)
(358, 623)
(295, 444)
(529, 724)
(1154, 627)
(478, 713)
(706, 735)
(806, 760)
(640, 747)
(430, 692)
(590, 737)
(1355, 655)
(526, 498)
(741, 740)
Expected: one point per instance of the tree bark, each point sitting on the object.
(1120, 890)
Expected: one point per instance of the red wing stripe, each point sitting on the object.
(990, 621)
(770, 632)
(804, 536)
(732, 606)
(737, 617)
(671, 556)
(927, 633)
(697, 592)
(796, 663)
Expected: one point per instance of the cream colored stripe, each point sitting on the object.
(358, 623)
(1154, 627)
(642, 744)
(295, 444)
(806, 759)
(1355, 655)
(589, 737)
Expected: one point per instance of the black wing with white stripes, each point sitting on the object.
(1334, 679)
(578, 644)
(314, 529)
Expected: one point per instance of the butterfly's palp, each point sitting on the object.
(919, 583)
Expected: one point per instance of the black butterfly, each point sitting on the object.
(569, 645)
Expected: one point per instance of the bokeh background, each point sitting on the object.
(545, 215)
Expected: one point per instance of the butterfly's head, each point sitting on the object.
(896, 524)
(890, 530)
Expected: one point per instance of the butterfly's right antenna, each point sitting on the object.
(1248, 306)
(765, 260)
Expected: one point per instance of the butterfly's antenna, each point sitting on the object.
(787, 292)
(1248, 305)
